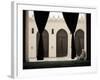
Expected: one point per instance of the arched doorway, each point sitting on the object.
(79, 42)
(45, 42)
(61, 43)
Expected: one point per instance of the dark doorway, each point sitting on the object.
(61, 43)
(79, 41)
(45, 42)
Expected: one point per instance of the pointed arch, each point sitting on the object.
(79, 41)
(61, 43)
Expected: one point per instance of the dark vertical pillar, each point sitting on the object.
(40, 52)
(41, 18)
(73, 47)
(71, 20)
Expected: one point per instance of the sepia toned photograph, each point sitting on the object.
(56, 39)
(49, 40)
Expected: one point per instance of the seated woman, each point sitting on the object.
(83, 56)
